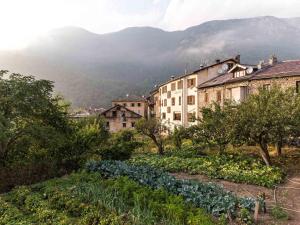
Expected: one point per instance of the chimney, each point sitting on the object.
(201, 66)
(238, 58)
(273, 60)
(218, 60)
(261, 64)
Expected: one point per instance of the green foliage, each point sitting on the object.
(278, 213)
(270, 116)
(215, 126)
(178, 135)
(213, 198)
(229, 167)
(153, 129)
(120, 146)
(30, 117)
(88, 199)
(245, 217)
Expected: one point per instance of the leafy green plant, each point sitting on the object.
(278, 213)
(229, 167)
(208, 196)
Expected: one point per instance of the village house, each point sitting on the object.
(243, 80)
(175, 102)
(178, 101)
(125, 112)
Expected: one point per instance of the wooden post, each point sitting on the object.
(256, 210)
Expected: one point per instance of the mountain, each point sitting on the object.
(91, 69)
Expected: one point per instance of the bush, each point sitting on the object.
(278, 213)
(229, 167)
(208, 196)
(120, 146)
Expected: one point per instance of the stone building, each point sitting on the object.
(230, 86)
(125, 112)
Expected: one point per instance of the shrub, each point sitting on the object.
(208, 196)
(278, 213)
(120, 146)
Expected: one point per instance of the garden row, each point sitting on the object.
(228, 167)
(89, 199)
(211, 197)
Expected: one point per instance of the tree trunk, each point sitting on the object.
(279, 148)
(159, 145)
(265, 153)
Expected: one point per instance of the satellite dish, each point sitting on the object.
(220, 71)
(249, 70)
(225, 67)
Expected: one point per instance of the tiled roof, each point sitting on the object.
(123, 107)
(281, 69)
(130, 98)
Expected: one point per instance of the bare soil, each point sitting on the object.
(286, 195)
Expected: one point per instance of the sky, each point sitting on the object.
(21, 21)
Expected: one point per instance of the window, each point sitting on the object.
(179, 100)
(169, 109)
(298, 86)
(191, 100)
(206, 97)
(179, 84)
(124, 104)
(267, 87)
(139, 104)
(162, 103)
(176, 116)
(124, 125)
(191, 117)
(173, 101)
(164, 89)
(169, 94)
(114, 113)
(104, 114)
(132, 124)
(191, 82)
(107, 124)
(219, 96)
(173, 86)
(132, 104)
(163, 115)
(165, 102)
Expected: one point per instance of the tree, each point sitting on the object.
(178, 135)
(25, 104)
(267, 117)
(153, 129)
(215, 126)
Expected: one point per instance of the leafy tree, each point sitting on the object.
(27, 104)
(178, 135)
(215, 126)
(268, 117)
(153, 129)
(120, 146)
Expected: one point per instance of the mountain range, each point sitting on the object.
(92, 69)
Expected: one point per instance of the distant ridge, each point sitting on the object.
(92, 69)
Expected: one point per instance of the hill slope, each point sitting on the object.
(92, 69)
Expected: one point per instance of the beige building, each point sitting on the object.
(125, 112)
(238, 83)
(175, 102)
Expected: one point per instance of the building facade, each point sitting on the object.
(175, 102)
(125, 112)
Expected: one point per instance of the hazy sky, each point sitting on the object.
(23, 20)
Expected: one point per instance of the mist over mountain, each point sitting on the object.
(91, 69)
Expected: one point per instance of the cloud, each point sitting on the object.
(181, 14)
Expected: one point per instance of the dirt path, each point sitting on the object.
(287, 196)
